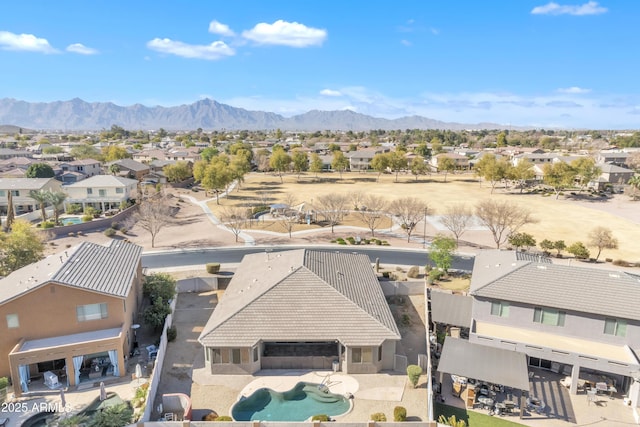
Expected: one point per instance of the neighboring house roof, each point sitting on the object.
(130, 164)
(104, 269)
(82, 162)
(104, 181)
(161, 163)
(611, 168)
(586, 290)
(302, 295)
(494, 263)
(24, 183)
(14, 173)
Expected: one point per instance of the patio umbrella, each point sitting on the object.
(103, 391)
(63, 399)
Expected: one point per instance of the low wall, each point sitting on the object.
(390, 288)
(96, 224)
(284, 424)
(197, 284)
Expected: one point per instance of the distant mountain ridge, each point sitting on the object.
(79, 115)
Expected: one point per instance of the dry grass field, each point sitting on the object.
(557, 219)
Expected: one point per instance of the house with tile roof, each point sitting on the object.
(571, 319)
(102, 192)
(20, 189)
(301, 309)
(86, 299)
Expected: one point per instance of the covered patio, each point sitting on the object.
(94, 354)
(486, 376)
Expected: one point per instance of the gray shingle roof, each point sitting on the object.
(105, 269)
(130, 164)
(587, 290)
(302, 295)
(24, 183)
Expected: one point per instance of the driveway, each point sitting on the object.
(191, 314)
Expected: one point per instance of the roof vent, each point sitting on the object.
(497, 265)
(541, 267)
(614, 275)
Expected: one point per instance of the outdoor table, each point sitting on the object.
(487, 402)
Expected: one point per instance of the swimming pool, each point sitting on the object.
(304, 400)
(71, 220)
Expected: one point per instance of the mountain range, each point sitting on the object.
(79, 115)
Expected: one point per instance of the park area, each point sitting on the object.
(568, 218)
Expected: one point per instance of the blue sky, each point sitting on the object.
(567, 64)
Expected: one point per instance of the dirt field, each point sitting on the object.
(566, 219)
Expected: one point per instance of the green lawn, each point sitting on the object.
(472, 418)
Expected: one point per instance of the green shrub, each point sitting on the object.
(48, 224)
(109, 232)
(342, 242)
(378, 242)
(399, 413)
(123, 230)
(378, 416)
(385, 274)
(4, 382)
(172, 333)
(435, 275)
(261, 208)
(620, 262)
(87, 218)
(115, 225)
(74, 209)
(213, 267)
(413, 272)
(414, 372)
(224, 418)
(351, 240)
(321, 417)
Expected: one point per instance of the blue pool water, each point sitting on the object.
(298, 404)
(71, 220)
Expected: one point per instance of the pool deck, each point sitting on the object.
(372, 392)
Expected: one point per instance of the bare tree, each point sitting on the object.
(153, 215)
(332, 208)
(290, 199)
(373, 211)
(356, 198)
(288, 220)
(502, 218)
(409, 211)
(602, 238)
(235, 219)
(457, 218)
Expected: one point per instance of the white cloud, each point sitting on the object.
(285, 33)
(216, 27)
(434, 31)
(405, 42)
(574, 90)
(24, 42)
(589, 8)
(330, 92)
(81, 49)
(213, 51)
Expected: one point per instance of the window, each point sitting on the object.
(615, 327)
(12, 321)
(380, 354)
(500, 308)
(3, 193)
(362, 355)
(15, 193)
(549, 316)
(216, 356)
(102, 193)
(89, 190)
(235, 356)
(91, 312)
(119, 190)
(255, 354)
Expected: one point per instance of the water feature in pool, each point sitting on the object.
(304, 400)
(41, 419)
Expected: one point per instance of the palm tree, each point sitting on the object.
(57, 201)
(635, 182)
(42, 197)
(10, 212)
(114, 169)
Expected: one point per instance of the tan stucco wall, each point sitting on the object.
(50, 311)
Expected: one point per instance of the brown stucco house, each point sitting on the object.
(301, 309)
(70, 316)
